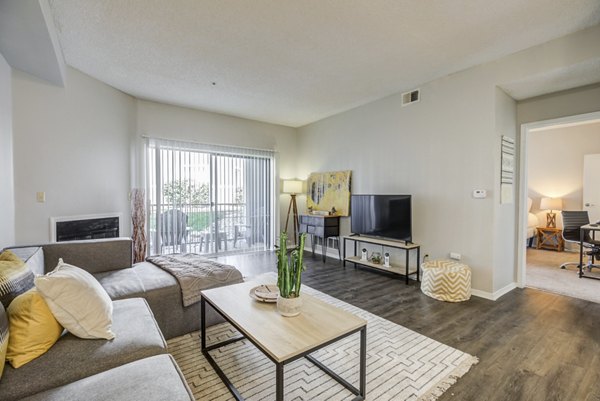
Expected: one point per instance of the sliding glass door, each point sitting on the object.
(208, 199)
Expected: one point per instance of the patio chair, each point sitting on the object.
(173, 230)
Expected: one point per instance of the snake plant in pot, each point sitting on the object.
(289, 276)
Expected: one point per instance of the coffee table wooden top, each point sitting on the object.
(282, 337)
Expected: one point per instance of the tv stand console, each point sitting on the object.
(395, 269)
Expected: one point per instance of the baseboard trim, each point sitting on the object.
(332, 253)
(494, 296)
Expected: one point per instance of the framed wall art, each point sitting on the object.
(329, 191)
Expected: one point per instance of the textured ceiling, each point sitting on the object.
(295, 62)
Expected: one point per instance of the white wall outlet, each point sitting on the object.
(455, 255)
(479, 193)
(40, 197)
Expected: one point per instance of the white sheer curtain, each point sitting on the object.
(209, 198)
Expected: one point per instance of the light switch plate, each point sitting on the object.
(40, 197)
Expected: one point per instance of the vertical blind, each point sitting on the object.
(208, 198)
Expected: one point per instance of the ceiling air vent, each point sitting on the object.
(411, 97)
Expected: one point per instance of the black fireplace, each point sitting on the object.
(105, 227)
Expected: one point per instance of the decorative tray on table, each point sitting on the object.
(265, 293)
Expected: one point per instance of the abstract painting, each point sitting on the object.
(329, 190)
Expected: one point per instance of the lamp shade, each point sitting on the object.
(292, 186)
(551, 204)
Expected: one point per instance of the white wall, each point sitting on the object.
(81, 145)
(73, 144)
(555, 165)
(441, 149)
(7, 189)
(426, 151)
(172, 122)
(562, 104)
(504, 213)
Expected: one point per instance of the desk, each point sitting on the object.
(588, 227)
(320, 227)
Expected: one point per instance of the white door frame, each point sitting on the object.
(523, 187)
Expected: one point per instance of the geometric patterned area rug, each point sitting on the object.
(401, 364)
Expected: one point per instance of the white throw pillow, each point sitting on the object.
(78, 301)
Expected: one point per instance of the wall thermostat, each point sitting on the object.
(479, 193)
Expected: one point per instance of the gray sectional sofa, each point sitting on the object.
(72, 359)
(135, 365)
(110, 261)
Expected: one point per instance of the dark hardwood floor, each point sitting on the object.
(532, 345)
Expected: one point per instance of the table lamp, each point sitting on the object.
(551, 204)
(292, 187)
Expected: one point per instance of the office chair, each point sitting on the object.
(572, 222)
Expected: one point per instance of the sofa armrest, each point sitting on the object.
(95, 256)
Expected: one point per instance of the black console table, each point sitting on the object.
(321, 227)
(407, 247)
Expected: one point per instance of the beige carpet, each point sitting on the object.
(544, 273)
(401, 365)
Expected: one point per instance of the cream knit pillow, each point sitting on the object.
(78, 301)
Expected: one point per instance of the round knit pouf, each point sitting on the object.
(446, 280)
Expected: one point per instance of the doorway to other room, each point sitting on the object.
(561, 187)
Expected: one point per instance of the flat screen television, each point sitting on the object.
(387, 216)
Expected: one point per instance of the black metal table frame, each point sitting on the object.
(357, 239)
(359, 393)
(581, 238)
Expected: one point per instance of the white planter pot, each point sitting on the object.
(289, 307)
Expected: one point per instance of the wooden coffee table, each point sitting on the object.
(283, 339)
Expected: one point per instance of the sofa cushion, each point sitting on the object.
(151, 379)
(72, 358)
(93, 256)
(121, 284)
(33, 328)
(78, 301)
(15, 277)
(163, 294)
(164, 297)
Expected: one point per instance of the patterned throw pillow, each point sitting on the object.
(15, 277)
(3, 337)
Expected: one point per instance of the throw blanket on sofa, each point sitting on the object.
(196, 273)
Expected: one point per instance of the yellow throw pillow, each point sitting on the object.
(33, 328)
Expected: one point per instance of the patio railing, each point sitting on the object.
(209, 229)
